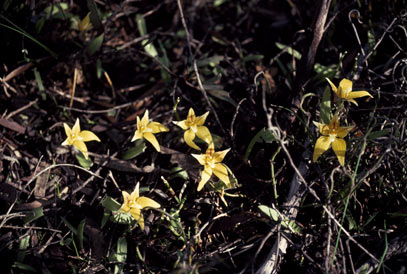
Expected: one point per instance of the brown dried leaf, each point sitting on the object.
(17, 71)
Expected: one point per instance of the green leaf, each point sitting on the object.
(52, 10)
(142, 28)
(364, 269)
(325, 114)
(68, 224)
(110, 204)
(164, 59)
(351, 221)
(178, 172)
(269, 212)
(99, 68)
(94, 14)
(24, 242)
(217, 3)
(323, 72)
(83, 162)
(377, 134)
(149, 48)
(141, 25)
(293, 225)
(40, 85)
(81, 228)
(263, 135)
(222, 95)
(289, 50)
(139, 147)
(253, 57)
(213, 60)
(121, 255)
(34, 215)
(95, 44)
(22, 266)
(105, 218)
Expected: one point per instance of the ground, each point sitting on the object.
(259, 68)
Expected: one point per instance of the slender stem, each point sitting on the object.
(347, 200)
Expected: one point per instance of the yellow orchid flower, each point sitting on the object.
(85, 24)
(211, 161)
(133, 203)
(77, 138)
(332, 134)
(193, 126)
(344, 91)
(147, 129)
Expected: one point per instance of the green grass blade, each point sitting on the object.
(24, 33)
(385, 248)
(81, 228)
(34, 215)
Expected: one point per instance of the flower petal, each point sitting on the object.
(88, 136)
(191, 115)
(221, 172)
(80, 145)
(151, 138)
(76, 128)
(145, 202)
(358, 94)
(182, 124)
(323, 143)
(136, 213)
(205, 176)
(140, 221)
(341, 132)
(136, 192)
(126, 198)
(157, 127)
(345, 87)
(204, 134)
(138, 123)
(66, 142)
(189, 137)
(332, 86)
(339, 147)
(68, 131)
(145, 119)
(137, 135)
(334, 122)
(322, 128)
(200, 120)
(218, 156)
(124, 208)
(318, 125)
(200, 158)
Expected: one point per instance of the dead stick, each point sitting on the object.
(308, 59)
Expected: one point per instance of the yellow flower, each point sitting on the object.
(344, 91)
(193, 126)
(331, 134)
(77, 138)
(147, 129)
(134, 204)
(211, 161)
(85, 24)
